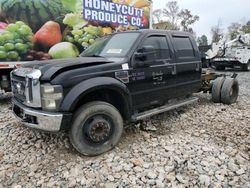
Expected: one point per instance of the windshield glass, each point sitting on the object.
(116, 45)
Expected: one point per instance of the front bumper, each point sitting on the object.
(37, 119)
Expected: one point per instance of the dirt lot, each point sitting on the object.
(202, 145)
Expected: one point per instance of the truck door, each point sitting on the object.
(149, 77)
(187, 65)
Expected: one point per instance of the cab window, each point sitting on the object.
(184, 47)
(160, 45)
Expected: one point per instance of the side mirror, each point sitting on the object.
(146, 53)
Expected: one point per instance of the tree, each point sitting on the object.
(234, 30)
(246, 28)
(179, 19)
(202, 41)
(187, 19)
(162, 25)
(217, 32)
(157, 15)
(171, 11)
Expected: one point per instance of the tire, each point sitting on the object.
(209, 64)
(244, 67)
(230, 91)
(216, 89)
(204, 63)
(97, 128)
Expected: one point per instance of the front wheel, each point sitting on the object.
(97, 128)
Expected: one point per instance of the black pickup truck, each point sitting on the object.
(125, 76)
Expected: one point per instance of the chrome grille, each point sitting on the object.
(26, 86)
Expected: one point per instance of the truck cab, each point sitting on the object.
(121, 77)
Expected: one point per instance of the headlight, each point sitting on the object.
(52, 96)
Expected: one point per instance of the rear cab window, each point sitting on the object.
(184, 47)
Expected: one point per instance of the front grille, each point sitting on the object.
(18, 87)
(26, 86)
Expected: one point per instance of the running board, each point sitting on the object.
(164, 108)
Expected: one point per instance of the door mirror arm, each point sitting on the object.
(145, 56)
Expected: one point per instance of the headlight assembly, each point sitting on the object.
(52, 96)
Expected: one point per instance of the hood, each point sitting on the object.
(52, 67)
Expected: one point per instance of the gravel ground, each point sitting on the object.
(202, 145)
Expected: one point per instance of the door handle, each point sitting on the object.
(174, 70)
(198, 66)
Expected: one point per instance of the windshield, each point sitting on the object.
(116, 45)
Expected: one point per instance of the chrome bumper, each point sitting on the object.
(32, 118)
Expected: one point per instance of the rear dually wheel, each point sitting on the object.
(229, 91)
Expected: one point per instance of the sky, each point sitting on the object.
(211, 11)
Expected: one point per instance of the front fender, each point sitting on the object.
(83, 88)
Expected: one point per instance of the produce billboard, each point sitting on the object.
(29, 29)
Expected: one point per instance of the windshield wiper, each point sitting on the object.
(94, 55)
